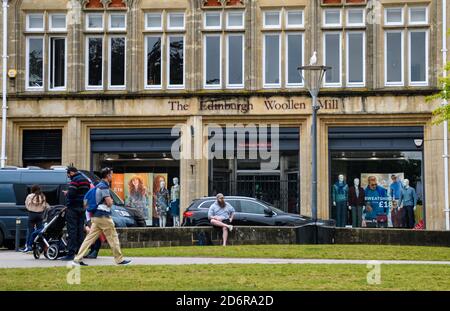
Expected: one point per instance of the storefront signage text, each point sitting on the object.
(290, 104)
(224, 104)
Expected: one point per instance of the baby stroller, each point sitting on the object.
(50, 239)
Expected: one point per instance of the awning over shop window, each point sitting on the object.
(376, 138)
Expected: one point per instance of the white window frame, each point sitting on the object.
(278, 26)
(35, 29)
(295, 26)
(228, 85)
(56, 29)
(119, 28)
(61, 88)
(146, 85)
(418, 23)
(208, 86)
(117, 87)
(402, 82)
(324, 21)
(291, 85)
(175, 86)
(333, 84)
(86, 76)
(147, 27)
(401, 23)
(418, 83)
(88, 16)
(170, 27)
(206, 27)
(228, 19)
(355, 84)
(348, 24)
(27, 65)
(271, 85)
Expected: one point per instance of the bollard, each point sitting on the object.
(18, 222)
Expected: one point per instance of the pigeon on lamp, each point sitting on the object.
(313, 59)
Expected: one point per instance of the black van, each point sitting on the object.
(15, 185)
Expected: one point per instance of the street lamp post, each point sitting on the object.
(313, 82)
(4, 84)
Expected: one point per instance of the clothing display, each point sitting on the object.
(340, 197)
(377, 199)
(138, 201)
(395, 190)
(162, 202)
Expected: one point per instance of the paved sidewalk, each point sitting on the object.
(10, 259)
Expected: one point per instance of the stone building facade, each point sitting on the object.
(104, 82)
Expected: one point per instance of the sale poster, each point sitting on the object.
(117, 185)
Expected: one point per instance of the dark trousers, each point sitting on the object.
(408, 217)
(75, 230)
(34, 223)
(341, 214)
(356, 216)
(96, 246)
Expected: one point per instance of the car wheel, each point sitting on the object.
(52, 252)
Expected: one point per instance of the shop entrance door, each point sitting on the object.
(265, 186)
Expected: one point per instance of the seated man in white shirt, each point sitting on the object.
(221, 215)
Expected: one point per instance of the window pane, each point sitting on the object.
(153, 61)
(95, 21)
(59, 21)
(118, 21)
(394, 57)
(235, 19)
(332, 17)
(272, 59)
(332, 57)
(251, 207)
(7, 194)
(176, 20)
(272, 18)
(35, 62)
(355, 58)
(418, 15)
(355, 17)
(36, 21)
(212, 19)
(154, 20)
(176, 61)
(235, 59)
(418, 56)
(394, 15)
(57, 62)
(117, 62)
(95, 65)
(295, 52)
(212, 54)
(295, 18)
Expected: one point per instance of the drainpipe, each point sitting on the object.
(444, 103)
(4, 90)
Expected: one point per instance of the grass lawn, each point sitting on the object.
(230, 277)
(363, 252)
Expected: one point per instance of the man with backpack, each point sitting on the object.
(78, 187)
(99, 203)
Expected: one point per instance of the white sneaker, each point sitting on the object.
(230, 228)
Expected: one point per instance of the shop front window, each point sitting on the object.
(368, 187)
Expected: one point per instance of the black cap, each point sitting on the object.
(71, 169)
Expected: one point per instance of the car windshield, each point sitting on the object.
(117, 200)
(276, 210)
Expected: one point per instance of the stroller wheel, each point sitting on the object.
(36, 253)
(52, 252)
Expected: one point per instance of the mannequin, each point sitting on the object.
(162, 203)
(175, 202)
(356, 202)
(340, 201)
(408, 200)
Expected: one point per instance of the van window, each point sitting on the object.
(21, 193)
(51, 193)
(7, 193)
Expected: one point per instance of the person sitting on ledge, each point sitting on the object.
(221, 215)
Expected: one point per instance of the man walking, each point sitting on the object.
(78, 187)
(102, 222)
(221, 215)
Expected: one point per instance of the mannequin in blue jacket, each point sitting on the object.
(340, 201)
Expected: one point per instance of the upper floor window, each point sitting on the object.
(164, 50)
(355, 17)
(117, 21)
(48, 44)
(94, 22)
(332, 18)
(284, 36)
(393, 16)
(235, 20)
(418, 15)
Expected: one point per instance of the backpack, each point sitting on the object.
(91, 200)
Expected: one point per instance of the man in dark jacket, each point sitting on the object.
(78, 187)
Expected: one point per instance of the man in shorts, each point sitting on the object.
(221, 215)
